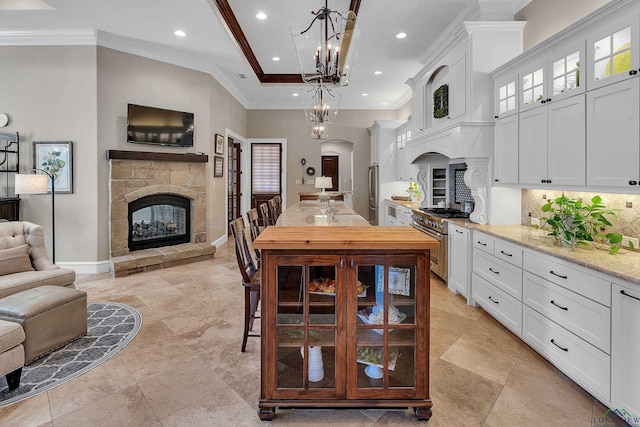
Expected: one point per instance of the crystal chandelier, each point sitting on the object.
(321, 105)
(318, 131)
(326, 59)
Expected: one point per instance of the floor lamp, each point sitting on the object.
(37, 184)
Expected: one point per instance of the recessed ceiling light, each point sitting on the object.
(261, 15)
(365, 94)
(275, 58)
(179, 33)
(401, 35)
(295, 94)
(377, 73)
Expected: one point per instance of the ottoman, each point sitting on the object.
(51, 316)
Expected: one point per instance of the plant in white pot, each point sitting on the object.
(572, 222)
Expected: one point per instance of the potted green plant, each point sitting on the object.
(572, 222)
(414, 191)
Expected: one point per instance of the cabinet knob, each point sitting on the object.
(632, 182)
(495, 117)
(548, 181)
(543, 101)
(496, 180)
(548, 99)
(543, 181)
(633, 72)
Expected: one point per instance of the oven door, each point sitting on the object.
(438, 257)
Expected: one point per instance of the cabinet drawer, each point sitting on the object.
(483, 242)
(585, 364)
(572, 278)
(508, 252)
(585, 318)
(504, 308)
(506, 277)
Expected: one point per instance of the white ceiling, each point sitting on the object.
(145, 27)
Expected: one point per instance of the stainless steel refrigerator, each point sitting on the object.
(374, 191)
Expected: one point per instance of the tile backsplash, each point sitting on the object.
(626, 222)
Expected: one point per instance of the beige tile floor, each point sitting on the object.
(185, 366)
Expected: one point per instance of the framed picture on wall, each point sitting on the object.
(219, 144)
(56, 159)
(218, 166)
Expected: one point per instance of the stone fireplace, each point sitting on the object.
(157, 210)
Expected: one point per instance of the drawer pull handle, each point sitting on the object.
(559, 275)
(493, 271)
(459, 232)
(561, 348)
(341, 264)
(480, 243)
(627, 295)
(352, 264)
(504, 253)
(494, 301)
(559, 306)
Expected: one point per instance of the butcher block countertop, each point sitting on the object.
(348, 238)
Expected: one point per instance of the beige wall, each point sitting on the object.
(125, 78)
(547, 17)
(80, 94)
(351, 125)
(50, 95)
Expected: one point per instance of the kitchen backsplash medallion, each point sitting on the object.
(626, 222)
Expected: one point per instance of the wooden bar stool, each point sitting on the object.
(250, 277)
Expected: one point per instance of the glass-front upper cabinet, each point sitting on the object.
(533, 85)
(387, 342)
(566, 71)
(506, 95)
(309, 294)
(612, 52)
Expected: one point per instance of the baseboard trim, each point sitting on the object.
(86, 267)
(220, 241)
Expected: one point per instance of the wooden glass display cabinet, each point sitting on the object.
(345, 318)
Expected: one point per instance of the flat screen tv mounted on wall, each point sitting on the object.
(150, 125)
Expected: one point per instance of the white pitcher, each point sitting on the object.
(316, 369)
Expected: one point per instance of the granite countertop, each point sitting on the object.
(624, 265)
(410, 205)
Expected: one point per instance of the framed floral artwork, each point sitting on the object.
(219, 149)
(56, 159)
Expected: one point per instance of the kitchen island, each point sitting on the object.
(345, 315)
(314, 213)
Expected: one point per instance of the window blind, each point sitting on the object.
(265, 168)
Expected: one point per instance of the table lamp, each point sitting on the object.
(37, 184)
(323, 182)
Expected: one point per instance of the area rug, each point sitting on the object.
(110, 327)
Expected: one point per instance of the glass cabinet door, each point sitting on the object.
(385, 295)
(309, 294)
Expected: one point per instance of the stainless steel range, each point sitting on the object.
(432, 222)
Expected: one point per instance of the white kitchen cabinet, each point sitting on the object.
(552, 143)
(383, 148)
(613, 131)
(533, 84)
(584, 317)
(506, 95)
(459, 281)
(505, 159)
(405, 170)
(625, 348)
(501, 306)
(584, 363)
(612, 50)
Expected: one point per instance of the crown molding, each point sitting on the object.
(80, 37)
